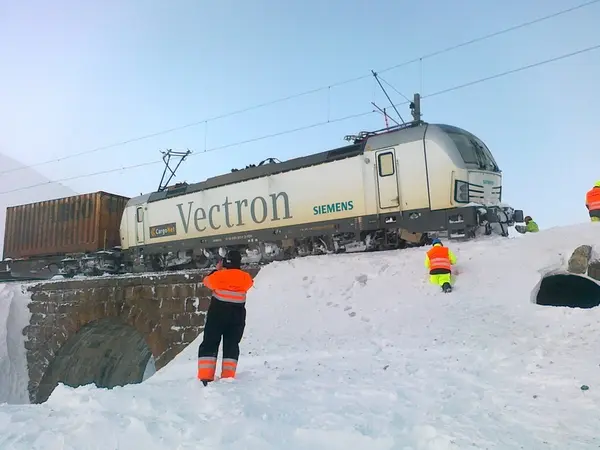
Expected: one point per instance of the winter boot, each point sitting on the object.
(446, 287)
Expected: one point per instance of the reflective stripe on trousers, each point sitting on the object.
(207, 366)
(229, 296)
(440, 263)
(228, 367)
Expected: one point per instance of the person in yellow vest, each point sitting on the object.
(439, 260)
(592, 202)
(530, 226)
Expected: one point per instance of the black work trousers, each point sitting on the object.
(223, 320)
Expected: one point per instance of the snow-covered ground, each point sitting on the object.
(14, 316)
(360, 352)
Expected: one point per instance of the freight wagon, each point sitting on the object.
(41, 238)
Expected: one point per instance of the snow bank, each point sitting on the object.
(360, 352)
(14, 316)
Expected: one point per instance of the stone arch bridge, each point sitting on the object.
(107, 330)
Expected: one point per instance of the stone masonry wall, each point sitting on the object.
(168, 310)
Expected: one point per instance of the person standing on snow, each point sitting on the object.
(439, 261)
(592, 202)
(226, 317)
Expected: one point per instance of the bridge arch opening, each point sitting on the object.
(106, 352)
(564, 289)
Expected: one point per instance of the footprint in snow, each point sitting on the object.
(361, 279)
(383, 268)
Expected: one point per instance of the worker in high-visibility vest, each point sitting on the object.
(226, 317)
(592, 202)
(530, 226)
(439, 260)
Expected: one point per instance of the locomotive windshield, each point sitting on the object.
(471, 148)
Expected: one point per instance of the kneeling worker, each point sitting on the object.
(226, 317)
(530, 226)
(439, 261)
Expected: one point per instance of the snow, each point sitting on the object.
(359, 351)
(14, 316)
(20, 178)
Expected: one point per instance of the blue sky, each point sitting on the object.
(80, 75)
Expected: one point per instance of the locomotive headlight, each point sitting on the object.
(461, 191)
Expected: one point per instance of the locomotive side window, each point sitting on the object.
(385, 162)
(140, 214)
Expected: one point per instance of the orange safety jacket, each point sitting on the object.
(592, 201)
(229, 285)
(439, 258)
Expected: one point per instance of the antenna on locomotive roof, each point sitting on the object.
(167, 159)
(415, 107)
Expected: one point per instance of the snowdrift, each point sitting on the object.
(360, 352)
(14, 316)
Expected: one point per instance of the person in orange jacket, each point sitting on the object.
(226, 317)
(439, 260)
(592, 202)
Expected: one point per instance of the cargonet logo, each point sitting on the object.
(168, 229)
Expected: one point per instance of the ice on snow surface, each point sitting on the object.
(360, 352)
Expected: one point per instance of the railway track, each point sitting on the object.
(8, 278)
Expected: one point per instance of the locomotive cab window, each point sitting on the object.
(385, 162)
(471, 148)
(140, 214)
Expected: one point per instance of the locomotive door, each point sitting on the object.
(387, 179)
(139, 225)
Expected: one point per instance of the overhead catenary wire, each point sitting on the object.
(319, 124)
(308, 92)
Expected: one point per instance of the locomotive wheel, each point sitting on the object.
(159, 263)
(201, 261)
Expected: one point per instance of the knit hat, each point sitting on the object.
(233, 260)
